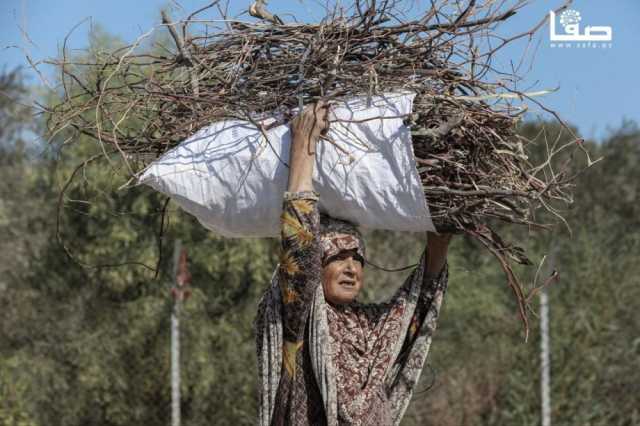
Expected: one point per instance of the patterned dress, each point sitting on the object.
(330, 365)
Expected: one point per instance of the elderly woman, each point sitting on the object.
(323, 358)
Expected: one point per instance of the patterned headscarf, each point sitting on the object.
(338, 235)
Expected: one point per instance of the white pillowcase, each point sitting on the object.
(233, 180)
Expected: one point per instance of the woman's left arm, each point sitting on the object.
(437, 248)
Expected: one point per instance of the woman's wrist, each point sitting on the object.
(305, 131)
(437, 249)
(301, 164)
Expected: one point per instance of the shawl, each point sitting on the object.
(408, 353)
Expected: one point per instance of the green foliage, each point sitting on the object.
(13, 389)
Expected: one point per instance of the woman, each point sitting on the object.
(324, 358)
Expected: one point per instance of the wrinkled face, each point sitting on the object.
(342, 277)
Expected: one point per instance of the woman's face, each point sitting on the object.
(342, 277)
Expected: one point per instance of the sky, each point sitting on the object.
(596, 87)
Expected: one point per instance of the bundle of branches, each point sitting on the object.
(473, 165)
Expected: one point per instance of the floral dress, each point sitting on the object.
(353, 364)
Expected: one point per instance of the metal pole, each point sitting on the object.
(175, 340)
(545, 380)
(544, 353)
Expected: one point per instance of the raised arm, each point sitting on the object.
(300, 271)
(432, 264)
(424, 311)
(300, 263)
(306, 129)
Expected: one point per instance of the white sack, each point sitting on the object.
(232, 180)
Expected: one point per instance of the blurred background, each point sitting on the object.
(85, 281)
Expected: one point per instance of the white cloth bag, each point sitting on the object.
(232, 178)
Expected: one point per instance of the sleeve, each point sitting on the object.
(403, 316)
(417, 341)
(300, 261)
(431, 288)
(299, 275)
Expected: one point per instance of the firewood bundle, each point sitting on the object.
(473, 164)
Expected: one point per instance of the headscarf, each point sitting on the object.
(338, 235)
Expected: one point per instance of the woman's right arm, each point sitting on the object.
(300, 261)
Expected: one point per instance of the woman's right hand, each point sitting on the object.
(306, 129)
(311, 123)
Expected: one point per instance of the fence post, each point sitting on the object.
(175, 338)
(545, 379)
